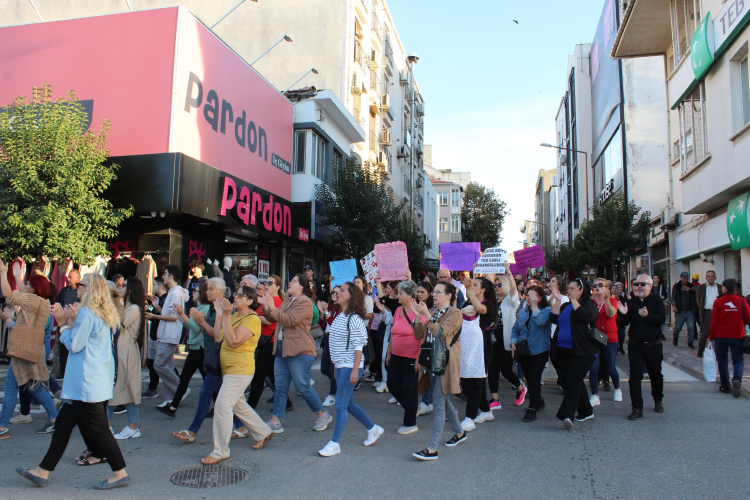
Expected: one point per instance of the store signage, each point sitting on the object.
(702, 47)
(738, 223)
(263, 269)
(729, 21)
(303, 234)
(607, 191)
(250, 208)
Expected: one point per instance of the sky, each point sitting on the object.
(492, 87)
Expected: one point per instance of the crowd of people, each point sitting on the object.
(428, 343)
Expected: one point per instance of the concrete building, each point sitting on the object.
(449, 187)
(542, 230)
(704, 225)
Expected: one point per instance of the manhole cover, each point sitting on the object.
(209, 477)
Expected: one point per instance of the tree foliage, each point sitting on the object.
(52, 176)
(406, 230)
(483, 214)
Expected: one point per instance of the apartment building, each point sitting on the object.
(703, 47)
(542, 227)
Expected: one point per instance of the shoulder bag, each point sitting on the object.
(522, 348)
(368, 351)
(441, 354)
(598, 335)
(212, 360)
(26, 341)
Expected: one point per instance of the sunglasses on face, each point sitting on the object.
(270, 282)
(640, 283)
(597, 285)
(498, 285)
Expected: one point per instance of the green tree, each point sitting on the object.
(52, 176)
(483, 214)
(406, 230)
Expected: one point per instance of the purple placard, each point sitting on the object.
(529, 257)
(459, 256)
(515, 270)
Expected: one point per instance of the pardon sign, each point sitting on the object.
(459, 256)
(492, 261)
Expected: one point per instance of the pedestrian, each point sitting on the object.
(169, 333)
(574, 350)
(533, 326)
(646, 315)
(706, 294)
(329, 311)
(502, 354)
(685, 308)
(606, 322)
(444, 326)
(424, 295)
(310, 275)
(401, 358)
(622, 319)
(293, 341)
(388, 296)
(87, 333)
(195, 346)
(238, 335)
(67, 296)
(347, 337)
(730, 315)
(155, 305)
(33, 314)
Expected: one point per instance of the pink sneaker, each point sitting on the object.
(520, 397)
(495, 404)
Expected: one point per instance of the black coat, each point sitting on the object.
(582, 321)
(648, 328)
(677, 298)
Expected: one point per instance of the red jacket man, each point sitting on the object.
(730, 315)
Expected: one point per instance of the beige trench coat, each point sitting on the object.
(451, 323)
(128, 384)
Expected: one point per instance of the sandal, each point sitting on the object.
(184, 436)
(238, 435)
(260, 444)
(86, 462)
(209, 460)
(83, 456)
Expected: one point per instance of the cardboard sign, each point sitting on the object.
(459, 256)
(343, 271)
(530, 257)
(370, 267)
(516, 270)
(393, 261)
(263, 269)
(492, 261)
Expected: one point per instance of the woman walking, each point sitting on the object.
(575, 350)
(502, 356)
(347, 337)
(444, 326)
(387, 305)
(424, 296)
(238, 334)
(129, 341)
(86, 331)
(330, 312)
(606, 322)
(533, 326)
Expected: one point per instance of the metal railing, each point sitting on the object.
(407, 185)
(361, 56)
(387, 52)
(376, 27)
(374, 146)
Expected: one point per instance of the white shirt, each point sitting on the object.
(369, 305)
(563, 300)
(712, 293)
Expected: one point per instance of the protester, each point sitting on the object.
(730, 315)
(444, 276)
(387, 305)
(607, 323)
(502, 355)
(622, 319)
(156, 303)
(310, 275)
(706, 295)
(330, 312)
(264, 356)
(424, 295)
(685, 308)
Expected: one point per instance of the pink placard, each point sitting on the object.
(529, 257)
(515, 270)
(393, 261)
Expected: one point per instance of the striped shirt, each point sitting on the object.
(342, 355)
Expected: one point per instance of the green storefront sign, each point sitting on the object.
(702, 47)
(738, 223)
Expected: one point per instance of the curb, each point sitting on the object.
(694, 372)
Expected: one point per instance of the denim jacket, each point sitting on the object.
(90, 372)
(537, 333)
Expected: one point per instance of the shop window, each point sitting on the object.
(693, 128)
(444, 224)
(318, 157)
(299, 152)
(455, 224)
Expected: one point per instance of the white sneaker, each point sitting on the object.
(21, 419)
(312, 382)
(468, 425)
(595, 401)
(111, 430)
(407, 430)
(330, 449)
(618, 395)
(392, 400)
(375, 385)
(382, 387)
(128, 433)
(373, 435)
(423, 409)
(165, 403)
(484, 416)
(330, 401)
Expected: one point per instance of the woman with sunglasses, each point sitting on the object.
(424, 296)
(573, 350)
(329, 312)
(502, 355)
(606, 322)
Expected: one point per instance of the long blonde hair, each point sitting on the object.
(98, 300)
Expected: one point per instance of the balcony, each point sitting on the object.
(374, 144)
(376, 29)
(407, 185)
(375, 83)
(387, 53)
(361, 57)
(646, 29)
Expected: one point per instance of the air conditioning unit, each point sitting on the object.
(356, 89)
(404, 77)
(374, 59)
(385, 101)
(420, 109)
(402, 152)
(385, 137)
(563, 160)
(668, 218)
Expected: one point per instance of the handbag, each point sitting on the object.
(522, 350)
(441, 354)
(26, 341)
(316, 332)
(599, 336)
(212, 361)
(746, 344)
(368, 351)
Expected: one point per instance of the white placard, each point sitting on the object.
(492, 261)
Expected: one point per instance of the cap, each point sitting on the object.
(308, 267)
(684, 274)
(695, 276)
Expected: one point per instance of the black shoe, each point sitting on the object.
(659, 407)
(456, 439)
(662, 336)
(356, 388)
(636, 414)
(725, 390)
(606, 387)
(621, 350)
(691, 346)
(210, 413)
(699, 355)
(426, 455)
(674, 342)
(120, 409)
(736, 388)
(530, 416)
(167, 410)
(542, 405)
(289, 405)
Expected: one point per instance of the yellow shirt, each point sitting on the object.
(241, 360)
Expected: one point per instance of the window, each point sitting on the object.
(444, 224)
(455, 198)
(444, 199)
(745, 90)
(694, 147)
(318, 157)
(685, 18)
(609, 168)
(299, 152)
(455, 224)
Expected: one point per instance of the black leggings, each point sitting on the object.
(402, 382)
(533, 367)
(476, 396)
(264, 360)
(573, 371)
(501, 362)
(193, 363)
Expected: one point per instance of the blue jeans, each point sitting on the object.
(345, 403)
(427, 397)
(686, 318)
(738, 360)
(297, 369)
(11, 396)
(211, 384)
(134, 414)
(621, 336)
(327, 369)
(607, 355)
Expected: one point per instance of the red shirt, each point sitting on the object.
(606, 324)
(269, 329)
(729, 317)
(403, 342)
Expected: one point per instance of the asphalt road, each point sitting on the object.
(698, 448)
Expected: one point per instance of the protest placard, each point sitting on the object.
(393, 261)
(370, 267)
(343, 271)
(530, 257)
(492, 261)
(459, 256)
(516, 270)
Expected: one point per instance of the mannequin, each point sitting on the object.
(228, 276)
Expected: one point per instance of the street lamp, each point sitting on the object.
(312, 70)
(272, 46)
(586, 160)
(222, 17)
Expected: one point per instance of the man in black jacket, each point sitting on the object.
(646, 314)
(685, 308)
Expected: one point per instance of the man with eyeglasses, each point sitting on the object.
(646, 313)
